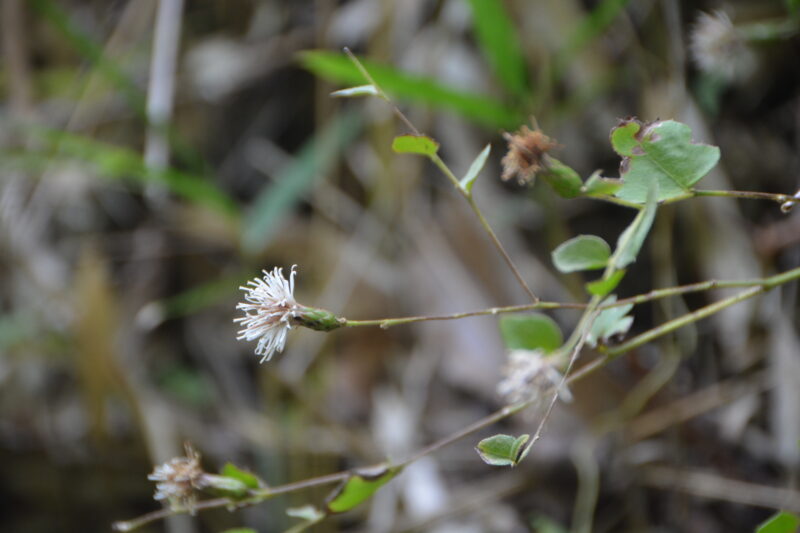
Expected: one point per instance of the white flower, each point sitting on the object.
(719, 48)
(268, 311)
(528, 375)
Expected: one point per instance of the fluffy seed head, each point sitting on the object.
(179, 479)
(528, 375)
(718, 48)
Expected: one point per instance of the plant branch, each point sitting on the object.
(657, 294)
(450, 176)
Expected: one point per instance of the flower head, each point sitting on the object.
(269, 310)
(527, 149)
(528, 375)
(717, 47)
(179, 479)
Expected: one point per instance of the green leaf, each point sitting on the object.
(483, 109)
(563, 179)
(610, 322)
(249, 479)
(602, 287)
(225, 486)
(356, 92)
(360, 486)
(662, 153)
(631, 240)
(530, 332)
(474, 169)
(584, 252)
(415, 144)
(240, 530)
(500, 43)
(503, 450)
(596, 185)
(306, 512)
(543, 524)
(315, 159)
(781, 522)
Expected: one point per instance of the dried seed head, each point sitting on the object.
(527, 149)
(718, 48)
(179, 479)
(528, 375)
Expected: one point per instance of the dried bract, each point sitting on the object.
(179, 480)
(527, 149)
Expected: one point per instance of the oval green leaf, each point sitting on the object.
(782, 522)
(584, 252)
(632, 239)
(602, 287)
(250, 480)
(306, 512)
(415, 144)
(530, 332)
(502, 450)
(360, 486)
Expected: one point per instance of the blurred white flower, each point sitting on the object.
(718, 48)
(528, 375)
(268, 311)
(179, 479)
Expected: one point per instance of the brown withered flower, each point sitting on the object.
(526, 154)
(179, 479)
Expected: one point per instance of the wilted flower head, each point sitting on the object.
(528, 375)
(179, 479)
(718, 48)
(270, 311)
(526, 154)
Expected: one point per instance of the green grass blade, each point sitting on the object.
(500, 43)
(482, 109)
(292, 182)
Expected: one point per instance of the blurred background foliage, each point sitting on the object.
(155, 155)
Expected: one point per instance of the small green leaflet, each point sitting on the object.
(249, 479)
(530, 332)
(474, 169)
(584, 252)
(632, 239)
(662, 153)
(782, 522)
(602, 287)
(610, 322)
(240, 530)
(356, 92)
(306, 512)
(597, 185)
(415, 144)
(503, 450)
(360, 486)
